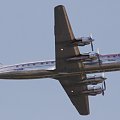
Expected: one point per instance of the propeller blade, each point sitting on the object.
(103, 88)
(99, 60)
(103, 93)
(104, 85)
(91, 35)
(98, 55)
(92, 46)
(98, 51)
(91, 41)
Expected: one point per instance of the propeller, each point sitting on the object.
(104, 85)
(91, 42)
(103, 88)
(103, 93)
(98, 51)
(103, 75)
(98, 55)
(92, 46)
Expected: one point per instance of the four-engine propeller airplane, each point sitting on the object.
(71, 68)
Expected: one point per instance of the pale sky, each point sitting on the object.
(27, 34)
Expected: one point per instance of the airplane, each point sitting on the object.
(70, 67)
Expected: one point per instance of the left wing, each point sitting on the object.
(72, 89)
(64, 50)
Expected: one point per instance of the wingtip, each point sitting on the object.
(59, 6)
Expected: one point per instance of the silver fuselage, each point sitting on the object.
(46, 69)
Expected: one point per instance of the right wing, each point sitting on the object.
(64, 49)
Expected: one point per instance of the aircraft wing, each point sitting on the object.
(64, 49)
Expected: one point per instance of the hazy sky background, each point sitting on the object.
(27, 34)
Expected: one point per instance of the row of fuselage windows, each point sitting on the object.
(109, 56)
(37, 64)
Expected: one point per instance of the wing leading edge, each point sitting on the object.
(63, 50)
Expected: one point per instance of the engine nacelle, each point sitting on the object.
(84, 57)
(94, 80)
(93, 91)
(82, 41)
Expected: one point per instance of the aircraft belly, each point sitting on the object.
(33, 74)
(106, 67)
(88, 69)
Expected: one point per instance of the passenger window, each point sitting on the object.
(33, 63)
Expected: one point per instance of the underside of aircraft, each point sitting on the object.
(71, 67)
